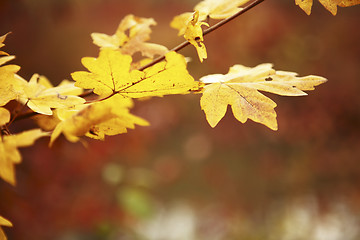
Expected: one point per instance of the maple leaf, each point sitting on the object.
(330, 5)
(9, 153)
(107, 117)
(208, 8)
(4, 222)
(194, 35)
(110, 74)
(41, 97)
(240, 88)
(135, 41)
(10, 85)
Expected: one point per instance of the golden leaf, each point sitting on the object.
(11, 86)
(208, 8)
(9, 153)
(194, 35)
(219, 9)
(107, 117)
(135, 41)
(41, 97)
(240, 89)
(110, 74)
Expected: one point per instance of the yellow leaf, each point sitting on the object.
(181, 21)
(4, 116)
(164, 78)
(208, 8)
(240, 89)
(194, 35)
(110, 74)
(4, 222)
(220, 9)
(6, 59)
(330, 5)
(10, 155)
(107, 117)
(116, 125)
(134, 41)
(11, 86)
(305, 5)
(41, 97)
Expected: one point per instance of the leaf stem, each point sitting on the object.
(205, 32)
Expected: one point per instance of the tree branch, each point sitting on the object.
(175, 49)
(206, 31)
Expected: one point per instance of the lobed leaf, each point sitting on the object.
(110, 74)
(130, 37)
(240, 88)
(41, 97)
(11, 87)
(107, 117)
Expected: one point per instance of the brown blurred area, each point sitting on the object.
(179, 178)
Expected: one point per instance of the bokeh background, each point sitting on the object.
(179, 179)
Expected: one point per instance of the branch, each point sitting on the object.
(205, 32)
(159, 59)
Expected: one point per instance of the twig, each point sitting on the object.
(206, 31)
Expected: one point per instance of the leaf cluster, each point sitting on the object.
(98, 102)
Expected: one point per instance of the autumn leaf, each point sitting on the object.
(9, 153)
(131, 36)
(107, 117)
(6, 223)
(208, 8)
(110, 74)
(240, 88)
(41, 97)
(194, 35)
(10, 85)
(220, 9)
(330, 5)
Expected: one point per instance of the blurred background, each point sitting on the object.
(179, 179)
